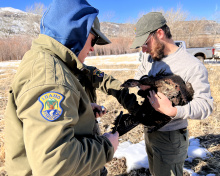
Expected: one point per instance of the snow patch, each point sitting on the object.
(10, 9)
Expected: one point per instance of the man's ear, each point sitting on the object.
(160, 34)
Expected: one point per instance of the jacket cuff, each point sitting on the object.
(180, 113)
(110, 152)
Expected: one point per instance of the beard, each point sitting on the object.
(158, 51)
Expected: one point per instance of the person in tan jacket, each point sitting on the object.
(49, 117)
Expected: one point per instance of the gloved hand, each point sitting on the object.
(124, 123)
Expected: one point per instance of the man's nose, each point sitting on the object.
(92, 48)
(144, 49)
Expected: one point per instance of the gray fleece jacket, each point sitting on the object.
(190, 69)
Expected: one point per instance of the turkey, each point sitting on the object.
(173, 86)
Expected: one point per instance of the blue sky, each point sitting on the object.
(121, 11)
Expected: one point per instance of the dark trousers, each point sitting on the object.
(167, 151)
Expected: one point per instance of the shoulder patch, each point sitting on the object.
(98, 73)
(51, 109)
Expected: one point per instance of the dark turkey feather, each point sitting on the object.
(172, 86)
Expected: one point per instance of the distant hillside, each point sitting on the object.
(17, 22)
(117, 29)
(196, 33)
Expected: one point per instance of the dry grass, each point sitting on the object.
(5, 80)
(119, 45)
(208, 130)
(10, 47)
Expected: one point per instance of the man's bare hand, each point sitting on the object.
(99, 111)
(162, 104)
(113, 138)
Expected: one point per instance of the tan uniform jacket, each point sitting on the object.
(66, 145)
(98, 80)
(95, 79)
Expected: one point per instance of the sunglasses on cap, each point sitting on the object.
(94, 41)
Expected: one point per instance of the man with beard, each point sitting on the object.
(167, 147)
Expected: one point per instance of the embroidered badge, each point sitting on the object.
(98, 73)
(51, 109)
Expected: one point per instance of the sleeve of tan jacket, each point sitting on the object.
(57, 147)
(111, 86)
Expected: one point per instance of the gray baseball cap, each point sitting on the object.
(95, 30)
(147, 24)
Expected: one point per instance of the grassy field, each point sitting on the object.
(208, 130)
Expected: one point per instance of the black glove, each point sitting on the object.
(124, 123)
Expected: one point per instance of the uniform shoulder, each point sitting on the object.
(42, 69)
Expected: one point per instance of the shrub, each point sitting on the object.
(13, 48)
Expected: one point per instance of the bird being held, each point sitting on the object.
(172, 86)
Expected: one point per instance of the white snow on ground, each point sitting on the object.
(126, 62)
(136, 156)
(123, 69)
(4, 67)
(114, 56)
(107, 60)
(196, 152)
(14, 63)
(213, 62)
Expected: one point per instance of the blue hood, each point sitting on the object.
(69, 22)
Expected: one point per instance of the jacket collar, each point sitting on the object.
(50, 45)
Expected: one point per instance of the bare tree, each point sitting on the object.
(35, 13)
(37, 8)
(174, 18)
(216, 26)
(108, 16)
